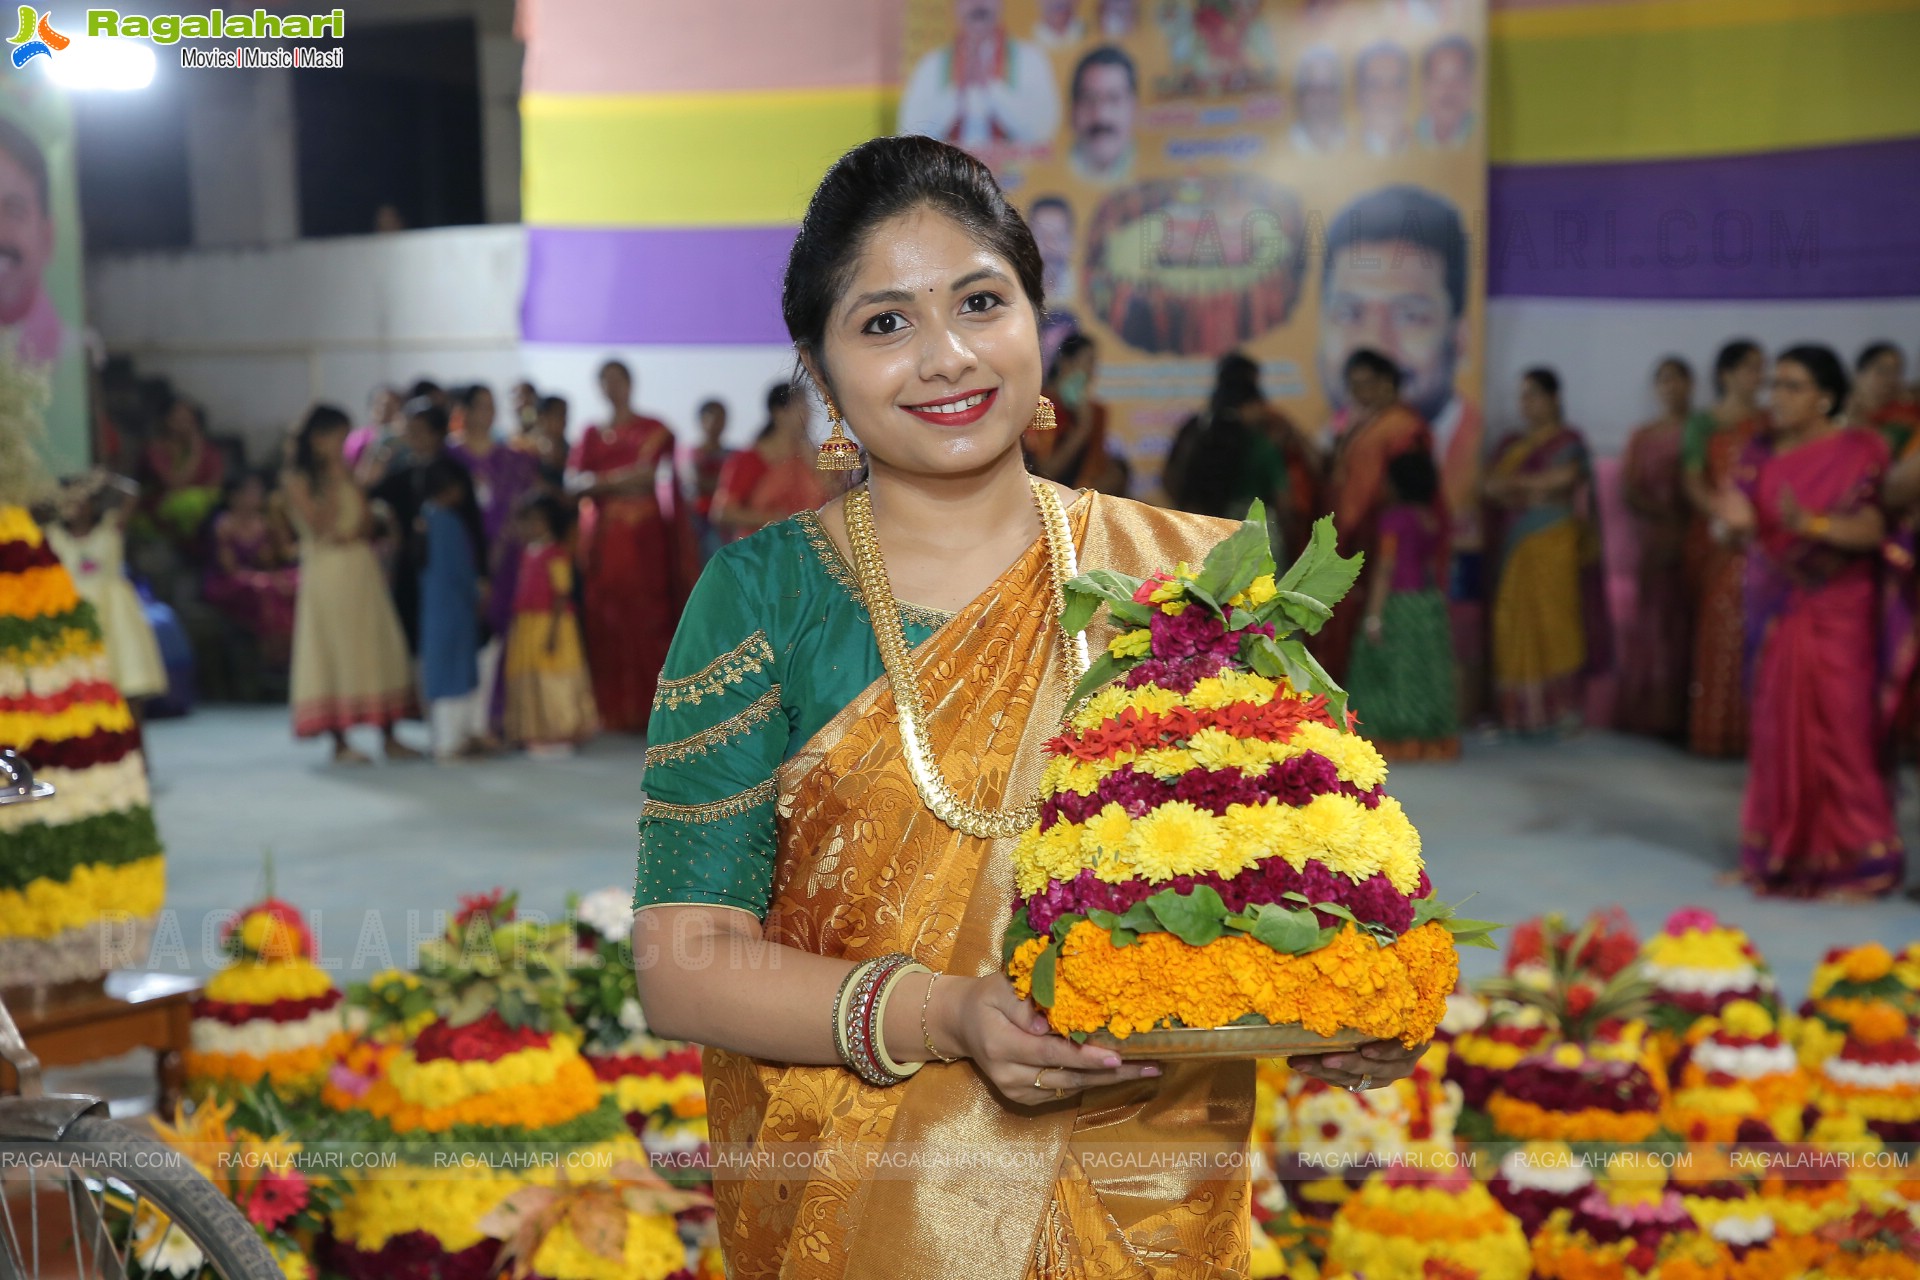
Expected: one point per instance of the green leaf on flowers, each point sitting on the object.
(1473, 933)
(1240, 620)
(1321, 571)
(1079, 1037)
(1043, 970)
(1303, 611)
(1104, 670)
(1428, 909)
(1304, 672)
(1195, 918)
(1290, 932)
(1259, 653)
(1335, 909)
(1086, 593)
(1241, 557)
(1121, 935)
(1063, 923)
(1018, 932)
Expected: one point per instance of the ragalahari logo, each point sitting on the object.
(36, 37)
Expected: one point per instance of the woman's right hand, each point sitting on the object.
(1010, 1041)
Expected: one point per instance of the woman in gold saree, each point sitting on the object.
(838, 776)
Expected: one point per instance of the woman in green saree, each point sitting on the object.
(836, 781)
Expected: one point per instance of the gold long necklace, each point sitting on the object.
(875, 590)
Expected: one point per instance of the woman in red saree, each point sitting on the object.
(1818, 818)
(1653, 683)
(638, 556)
(1382, 429)
(1715, 440)
(795, 820)
(774, 479)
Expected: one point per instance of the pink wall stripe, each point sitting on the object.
(694, 46)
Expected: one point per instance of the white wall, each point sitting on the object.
(257, 335)
(1605, 351)
(671, 383)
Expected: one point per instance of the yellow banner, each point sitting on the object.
(1290, 179)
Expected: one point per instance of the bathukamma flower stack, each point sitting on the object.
(1215, 844)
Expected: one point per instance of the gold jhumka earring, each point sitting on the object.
(838, 453)
(1043, 417)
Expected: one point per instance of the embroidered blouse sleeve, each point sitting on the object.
(718, 732)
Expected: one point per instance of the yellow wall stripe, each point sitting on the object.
(1683, 92)
(688, 159)
(1647, 17)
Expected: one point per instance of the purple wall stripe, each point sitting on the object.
(717, 286)
(1830, 222)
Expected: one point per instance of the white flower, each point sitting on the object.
(1465, 1012)
(173, 1253)
(608, 912)
(1747, 1061)
(632, 1017)
(1744, 1231)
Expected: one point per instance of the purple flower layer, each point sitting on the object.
(1295, 782)
(1177, 674)
(1373, 900)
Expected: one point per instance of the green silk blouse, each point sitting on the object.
(774, 643)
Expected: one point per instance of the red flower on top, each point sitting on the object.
(486, 1039)
(487, 904)
(277, 1196)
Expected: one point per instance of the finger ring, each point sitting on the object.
(1036, 1078)
(1366, 1083)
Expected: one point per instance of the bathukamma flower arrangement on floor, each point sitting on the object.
(271, 1015)
(83, 879)
(1215, 845)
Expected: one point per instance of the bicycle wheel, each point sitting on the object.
(109, 1203)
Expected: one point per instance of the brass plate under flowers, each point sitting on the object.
(1193, 1044)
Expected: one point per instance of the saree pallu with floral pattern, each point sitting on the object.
(940, 1177)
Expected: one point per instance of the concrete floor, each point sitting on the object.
(376, 852)
(373, 854)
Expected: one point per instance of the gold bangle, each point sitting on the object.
(926, 1036)
(901, 1069)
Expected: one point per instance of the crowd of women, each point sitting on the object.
(516, 588)
(1776, 582)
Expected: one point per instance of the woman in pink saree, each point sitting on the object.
(1818, 818)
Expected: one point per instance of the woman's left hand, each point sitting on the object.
(1373, 1064)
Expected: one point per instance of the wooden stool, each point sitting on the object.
(85, 1022)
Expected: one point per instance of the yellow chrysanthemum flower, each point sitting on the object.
(1355, 757)
(1258, 592)
(1131, 644)
(1105, 836)
(1174, 839)
(1230, 687)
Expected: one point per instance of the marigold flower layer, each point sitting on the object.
(1397, 992)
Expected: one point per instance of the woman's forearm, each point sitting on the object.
(711, 979)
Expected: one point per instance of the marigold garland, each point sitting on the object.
(38, 592)
(570, 1092)
(27, 727)
(1398, 992)
(298, 1070)
(1518, 1118)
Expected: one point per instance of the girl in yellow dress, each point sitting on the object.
(549, 697)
